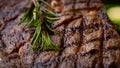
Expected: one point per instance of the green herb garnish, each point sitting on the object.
(113, 11)
(41, 18)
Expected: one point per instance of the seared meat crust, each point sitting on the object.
(86, 35)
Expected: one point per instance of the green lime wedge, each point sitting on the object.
(114, 14)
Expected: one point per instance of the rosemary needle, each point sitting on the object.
(41, 18)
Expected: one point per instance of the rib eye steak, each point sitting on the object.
(86, 35)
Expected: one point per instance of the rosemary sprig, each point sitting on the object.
(41, 18)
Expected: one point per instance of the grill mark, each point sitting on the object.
(62, 41)
(82, 34)
(114, 48)
(77, 44)
(87, 7)
(15, 17)
(93, 51)
(110, 35)
(73, 29)
(81, 41)
(66, 14)
(106, 26)
(102, 45)
(88, 2)
(64, 35)
(94, 26)
(74, 3)
(2, 24)
(77, 10)
(86, 42)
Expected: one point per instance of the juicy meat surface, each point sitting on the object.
(86, 35)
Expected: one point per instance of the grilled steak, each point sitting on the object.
(86, 35)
